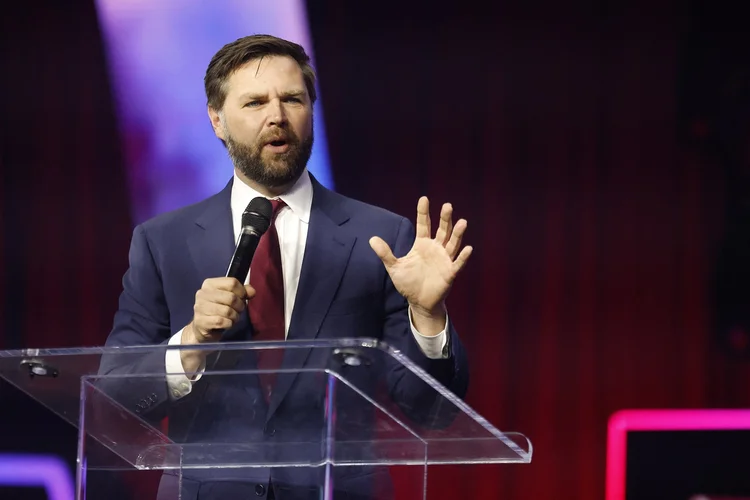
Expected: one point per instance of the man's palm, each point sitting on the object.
(425, 275)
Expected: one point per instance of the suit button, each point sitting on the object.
(269, 430)
(260, 490)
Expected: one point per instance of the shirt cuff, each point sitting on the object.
(178, 383)
(432, 347)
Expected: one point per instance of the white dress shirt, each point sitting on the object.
(291, 223)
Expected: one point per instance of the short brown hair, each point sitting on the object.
(234, 55)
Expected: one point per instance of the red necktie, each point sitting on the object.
(266, 309)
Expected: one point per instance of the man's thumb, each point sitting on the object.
(382, 250)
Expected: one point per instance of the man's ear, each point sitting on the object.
(216, 122)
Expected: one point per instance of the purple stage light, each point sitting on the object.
(157, 53)
(45, 471)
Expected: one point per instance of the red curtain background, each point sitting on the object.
(553, 128)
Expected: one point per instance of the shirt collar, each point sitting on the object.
(298, 198)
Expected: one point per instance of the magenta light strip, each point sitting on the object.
(37, 471)
(624, 421)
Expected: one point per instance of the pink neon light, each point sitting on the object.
(621, 422)
(37, 470)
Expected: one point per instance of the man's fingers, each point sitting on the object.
(222, 297)
(238, 289)
(462, 259)
(238, 304)
(214, 325)
(383, 251)
(423, 218)
(224, 283)
(218, 305)
(446, 224)
(207, 326)
(212, 309)
(456, 236)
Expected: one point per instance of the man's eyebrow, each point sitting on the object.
(258, 96)
(252, 96)
(293, 93)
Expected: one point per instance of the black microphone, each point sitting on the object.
(256, 219)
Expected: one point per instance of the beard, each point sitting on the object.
(275, 169)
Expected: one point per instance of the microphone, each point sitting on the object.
(256, 219)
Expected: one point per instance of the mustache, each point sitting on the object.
(279, 135)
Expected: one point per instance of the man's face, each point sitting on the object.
(266, 121)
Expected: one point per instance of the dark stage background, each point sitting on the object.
(596, 149)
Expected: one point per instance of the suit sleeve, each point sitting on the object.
(142, 319)
(452, 371)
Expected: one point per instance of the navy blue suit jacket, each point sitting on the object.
(344, 291)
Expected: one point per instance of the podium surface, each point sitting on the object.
(331, 429)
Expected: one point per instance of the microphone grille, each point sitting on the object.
(257, 214)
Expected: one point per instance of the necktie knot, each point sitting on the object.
(276, 206)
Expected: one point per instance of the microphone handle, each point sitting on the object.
(239, 266)
(247, 243)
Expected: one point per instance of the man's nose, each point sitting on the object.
(276, 115)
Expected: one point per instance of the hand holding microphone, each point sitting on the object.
(218, 305)
(220, 301)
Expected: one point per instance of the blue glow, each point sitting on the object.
(45, 471)
(157, 54)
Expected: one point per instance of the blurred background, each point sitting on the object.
(600, 152)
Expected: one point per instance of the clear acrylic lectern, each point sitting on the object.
(335, 429)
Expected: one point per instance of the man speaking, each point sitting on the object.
(324, 266)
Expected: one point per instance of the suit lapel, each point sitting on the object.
(212, 244)
(326, 256)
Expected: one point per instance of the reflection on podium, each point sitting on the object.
(332, 428)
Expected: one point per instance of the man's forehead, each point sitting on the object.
(269, 66)
(259, 74)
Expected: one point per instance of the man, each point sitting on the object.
(328, 267)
